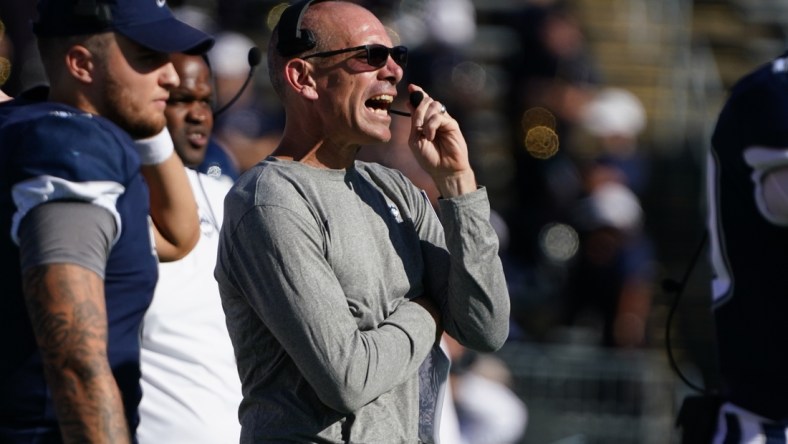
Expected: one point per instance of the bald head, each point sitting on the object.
(332, 22)
(332, 92)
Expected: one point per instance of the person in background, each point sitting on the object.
(608, 296)
(83, 174)
(488, 410)
(612, 277)
(747, 171)
(190, 384)
(216, 161)
(337, 276)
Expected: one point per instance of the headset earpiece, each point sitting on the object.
(93, 14)
(93, 11)
(292, 39)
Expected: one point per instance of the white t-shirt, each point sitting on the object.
(190, 383)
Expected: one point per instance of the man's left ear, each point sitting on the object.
(298, 75)
(79, 63)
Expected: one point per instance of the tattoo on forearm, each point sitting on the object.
(65, 304)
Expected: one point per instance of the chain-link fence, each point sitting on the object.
(591, 395)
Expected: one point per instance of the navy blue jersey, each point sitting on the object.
(749, 251)
(54, 152)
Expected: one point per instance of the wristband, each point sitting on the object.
(155, 150)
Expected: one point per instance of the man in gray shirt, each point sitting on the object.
(337, 277)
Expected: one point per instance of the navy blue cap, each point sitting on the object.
(149, 23)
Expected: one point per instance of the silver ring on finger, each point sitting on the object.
(443, 109)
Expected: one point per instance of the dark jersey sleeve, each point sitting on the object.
(63, 155)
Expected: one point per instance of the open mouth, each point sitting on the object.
(197, 138)
(380, 104)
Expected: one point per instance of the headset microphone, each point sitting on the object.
(254, 57)
(415, 98)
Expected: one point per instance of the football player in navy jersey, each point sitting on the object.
(748, 230)
(81, 177)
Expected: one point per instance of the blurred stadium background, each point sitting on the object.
(677, 57)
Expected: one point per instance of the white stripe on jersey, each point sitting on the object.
(38, 190)
(721, 282)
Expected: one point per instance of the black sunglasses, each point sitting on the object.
(376, 54)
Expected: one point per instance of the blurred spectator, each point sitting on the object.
(450, 24)
(601, 281)
(17, 45)
(197, 16)
(609, 288)
(437, 34)
(554, 70)
(244, 16)
(610, 281)
(489, 412)
(615, 118)
(553, 60)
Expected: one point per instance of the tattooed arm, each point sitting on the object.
(65, 303)
(63, 251)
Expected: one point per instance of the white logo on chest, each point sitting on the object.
(161, 3)
(395, 212)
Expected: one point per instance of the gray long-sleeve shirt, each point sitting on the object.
(316, 269)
